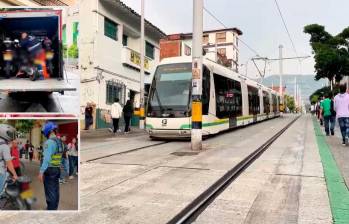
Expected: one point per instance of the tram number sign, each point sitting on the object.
(164, 122)
(196, 73)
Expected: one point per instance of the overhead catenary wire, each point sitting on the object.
(220, 22)
(287, 31)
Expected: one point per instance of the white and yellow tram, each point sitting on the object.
(229, 99)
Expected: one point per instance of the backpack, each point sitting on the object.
(333, 112)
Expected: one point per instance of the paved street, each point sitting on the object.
(67, 103)
(68, 191)
(285, 185)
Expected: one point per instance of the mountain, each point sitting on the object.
(306, 83)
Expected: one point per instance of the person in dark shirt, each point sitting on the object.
(128, 112)
(88, 116)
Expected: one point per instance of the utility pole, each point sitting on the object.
(280, 71)
(295, 91)
(141, 102)
(196, 117)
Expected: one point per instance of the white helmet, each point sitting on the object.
(7, 132)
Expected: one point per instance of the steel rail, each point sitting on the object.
(199, 204)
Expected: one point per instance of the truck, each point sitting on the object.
(39, 23)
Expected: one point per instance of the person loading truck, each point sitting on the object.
(33, 48)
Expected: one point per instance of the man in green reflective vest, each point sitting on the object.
(50, 168)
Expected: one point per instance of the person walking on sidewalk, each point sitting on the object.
(128, 112)
(88, 116)
(50, 169)
(116, 113)
(341, 106)
(327, 114)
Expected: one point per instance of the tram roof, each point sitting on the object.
(219, 69)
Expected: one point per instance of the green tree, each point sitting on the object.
(25, 126)
(73, 51)
(290, 103)
(331, 53)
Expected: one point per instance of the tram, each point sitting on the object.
(229, 100)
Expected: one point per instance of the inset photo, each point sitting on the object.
(39, 60)
(39, 164)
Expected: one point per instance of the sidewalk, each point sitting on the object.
(339, 152)
(105, 133)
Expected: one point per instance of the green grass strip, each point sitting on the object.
(337, 190)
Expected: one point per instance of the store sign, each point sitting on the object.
(136, 59)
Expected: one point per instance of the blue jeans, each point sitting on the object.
(65, 164)
(73, 162)
(51, 185)
(3, 178)
(330, 122)
(344, 126)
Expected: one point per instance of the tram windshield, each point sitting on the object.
(170, 91)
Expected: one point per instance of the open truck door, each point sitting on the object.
(41, 24)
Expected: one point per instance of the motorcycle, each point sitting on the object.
(8, 56)
(18, 194)
(47, 43)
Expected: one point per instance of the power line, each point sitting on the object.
(284, 22)
(220, 22)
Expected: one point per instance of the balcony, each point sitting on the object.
(132, 59)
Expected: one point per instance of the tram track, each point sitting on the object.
(200, 203)
(127, 151)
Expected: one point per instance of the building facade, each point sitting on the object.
(221, 46)
(109, 62)
(4, 3)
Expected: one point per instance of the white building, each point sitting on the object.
(220, 45)
(109, 59)
(5, 3)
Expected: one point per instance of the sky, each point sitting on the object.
(260, 23)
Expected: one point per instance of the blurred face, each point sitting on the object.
(63, 138)
(24, 35)
(73, 140)
(14, 143)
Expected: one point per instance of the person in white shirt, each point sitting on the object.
(116, 114)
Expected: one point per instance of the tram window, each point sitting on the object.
(274, 103)
(253, 100)
(228, 97)
(205, 90)
(266, 102)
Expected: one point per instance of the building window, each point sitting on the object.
(187, 50)
(124, 40)
(221, 37)
(110, 29)
(115, 90)
(222, 52)
(149, 50)
(64, 34)
(75, 32)
(205, 39)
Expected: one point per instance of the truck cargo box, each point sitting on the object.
(39, 23)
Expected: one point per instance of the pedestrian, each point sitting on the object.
(73, 158)
(15, 157)
(50, 168)
(341, 106)
(65, 161)
(116, 113)
(327, 114)
(88, 116)
(31, 152)
(26, 149)
(7, 134)
(128, 112)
